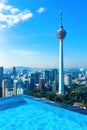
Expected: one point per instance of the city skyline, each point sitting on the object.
(28, 33)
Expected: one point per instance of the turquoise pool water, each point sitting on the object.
(23, 113)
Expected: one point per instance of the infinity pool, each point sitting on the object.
(26, 113)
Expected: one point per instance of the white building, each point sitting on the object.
(21, 86)
(68, 79)
(18, 87)
(7, 89)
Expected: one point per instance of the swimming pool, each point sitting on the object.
(27, 113)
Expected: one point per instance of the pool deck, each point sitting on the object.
(15, 101)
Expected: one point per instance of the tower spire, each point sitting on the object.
(61, 26)
(61, 17)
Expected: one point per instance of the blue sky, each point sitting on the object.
(28, 33)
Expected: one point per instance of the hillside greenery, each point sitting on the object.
(72, 94)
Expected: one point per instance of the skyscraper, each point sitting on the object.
(1, 71)
(32, 81)
(14, 73)
(24, 71)
(18, 87)
(37, 76)
(41, 84)
(68, 79)
(55, 75)
(1, 78)
(61, 33)
(46, 76)
(7, 89)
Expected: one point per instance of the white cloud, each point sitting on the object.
(2, 26)
(24, 52)
(3, 1)
(14, 10)
(9, 15)
(41, 10)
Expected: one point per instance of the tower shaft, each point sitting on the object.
(61, 73)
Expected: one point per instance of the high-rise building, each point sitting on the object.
(1, 71)
(47, 76)
(25, 71)
(7, 76)
(37, 76)
(7, 89)
(41, 84)
(18, 87)
(14, 73)
(51, 76)
(68, 79)
(61, 33)
(32, 81)
(1, 78)
(26, 86)
(20, 91)
(86, 80)
(55, 75)
(55, 86)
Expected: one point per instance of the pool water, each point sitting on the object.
(26, 113)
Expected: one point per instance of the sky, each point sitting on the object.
(28, 33)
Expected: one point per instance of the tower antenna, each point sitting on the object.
(60, 17)
(61, 25)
